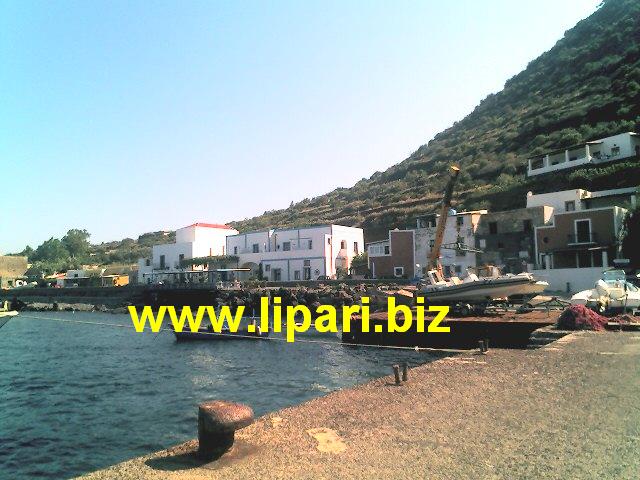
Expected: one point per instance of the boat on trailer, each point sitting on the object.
(478, 290)
(243, 332)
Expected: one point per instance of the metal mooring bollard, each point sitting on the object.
(405, 371)
(396, 372)
(217, 423)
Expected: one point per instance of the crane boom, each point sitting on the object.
(434, 255)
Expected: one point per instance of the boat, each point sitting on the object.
(474, 289)
(611, 292)
(6, 313)
(207, 333)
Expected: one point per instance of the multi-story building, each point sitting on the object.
(609, 149)
(406, 252)
(582, 237)
(194, 241)
(291, 254)
(460, 230)
(506, 239)
(393, 257)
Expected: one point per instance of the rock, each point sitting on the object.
(217, 422)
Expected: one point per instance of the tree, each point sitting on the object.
(76, 242)
(51, 250)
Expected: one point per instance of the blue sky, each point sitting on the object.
(129, 117)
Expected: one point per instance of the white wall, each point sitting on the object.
(320, 245)
(452, 231)
(578, 278)
(557, 200)
(625, 141)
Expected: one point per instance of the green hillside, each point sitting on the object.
(587, 86)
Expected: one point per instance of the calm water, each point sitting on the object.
(75, 398)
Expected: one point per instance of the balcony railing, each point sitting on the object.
(590, 237)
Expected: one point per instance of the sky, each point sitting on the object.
(126, 117)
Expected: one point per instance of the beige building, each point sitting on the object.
(12, 270)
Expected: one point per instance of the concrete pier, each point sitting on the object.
(567, 410)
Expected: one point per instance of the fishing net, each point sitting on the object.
(579, 317)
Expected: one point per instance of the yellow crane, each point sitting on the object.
(434, 256)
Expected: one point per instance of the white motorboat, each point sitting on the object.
(611, 292)
(479, 289)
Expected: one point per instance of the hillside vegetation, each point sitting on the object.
(587, 86)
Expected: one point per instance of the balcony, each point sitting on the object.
(582, 238)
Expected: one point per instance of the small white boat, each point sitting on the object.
(611, 292)
(479, 289)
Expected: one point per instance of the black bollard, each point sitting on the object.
(396, 372)
(217, 423)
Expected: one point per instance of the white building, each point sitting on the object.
(461, 229)
(195, 241)
(304, 253)
(579, 199)
(609, 149)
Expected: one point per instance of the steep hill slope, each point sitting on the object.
(587, 86)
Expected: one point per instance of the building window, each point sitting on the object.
(458, 269)
(180, 259)
(306, 270)
(432, 243)
(343, 245)
(615, 151)
(355, 248)
(162, 262)
(570, 206)
(147, 262)
(386, 249)
(267, 267)
(493, 228)
(583, 231)
(310, 244)
(277, 274)
(460, 221)
(235, 250)
(286, 246)
(500, 245)
(398, 271)
(526, 226)
(296, 275)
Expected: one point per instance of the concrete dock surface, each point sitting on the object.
(568, 410)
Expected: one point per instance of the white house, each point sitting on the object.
(579, 199)
(303, 253)
(609, 149)
(193, 241)
(461, 228)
